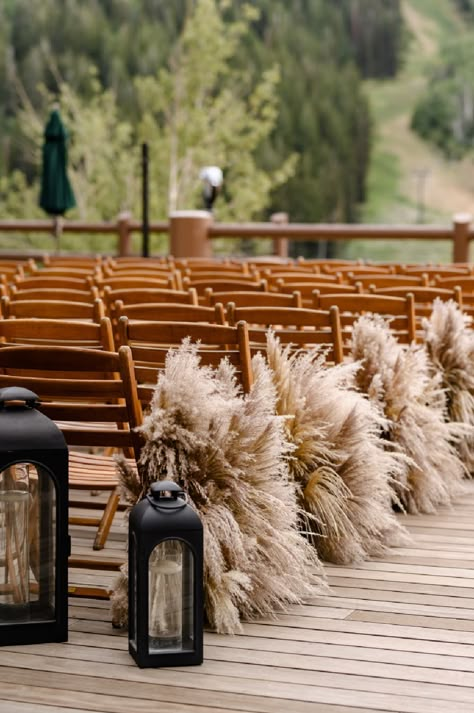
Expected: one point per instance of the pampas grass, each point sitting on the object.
(338, 463)
(450, 347)
(229, 453)
(400, 383)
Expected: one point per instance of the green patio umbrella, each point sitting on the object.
(56, 195)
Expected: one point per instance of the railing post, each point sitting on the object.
(461, 229)
(124, 234)
(280, 245)
(189, 233)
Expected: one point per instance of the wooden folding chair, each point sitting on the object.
(383, 281)
(466, 283)
(307, 289)
(151, 341)
(423, 298)
(50, 332)
(171, 312)
(399, 311)
(243, 298)
(303, 328)
(52, 309)
(97, 406)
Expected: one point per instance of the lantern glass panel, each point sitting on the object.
(27, 543)
(171, 598)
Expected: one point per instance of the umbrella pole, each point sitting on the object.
(57, 231)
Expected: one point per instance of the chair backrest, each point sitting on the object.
(390, 280)
(303, 328)
(302, 277)
(245, 298)
(399, 310)
(102, 390)
(16, 293)
(223, 284)
(52, 309)
(171, 312)
(466, 283)
(40, 281)
(48, 332)
(144, 295)
(307, 290)
(79, 261)
(354, 269)
(218, 270)
(132, 282)
(423, 297)
(150, 342)
(432, 272)
(78, 273)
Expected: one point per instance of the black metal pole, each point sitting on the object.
(145, 220)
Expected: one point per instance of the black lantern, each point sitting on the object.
(165, 579)
(34, 542)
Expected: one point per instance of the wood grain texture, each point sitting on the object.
(393, 634)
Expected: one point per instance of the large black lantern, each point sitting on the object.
(34, 542)
(165, 579)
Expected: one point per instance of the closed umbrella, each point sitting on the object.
(56, 193)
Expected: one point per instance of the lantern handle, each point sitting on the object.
(155, 498)
(18, 393)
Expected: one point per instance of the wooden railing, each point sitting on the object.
(192, 232)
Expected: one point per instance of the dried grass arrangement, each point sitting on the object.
(338, 463)
(229, 453)
(450, 346)
(399, 381)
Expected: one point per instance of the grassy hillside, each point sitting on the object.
(409, 181)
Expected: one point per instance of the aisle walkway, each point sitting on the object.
(396, 634)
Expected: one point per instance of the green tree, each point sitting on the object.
(203, 110)
(445, 114)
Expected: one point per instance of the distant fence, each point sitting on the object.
(191, 232)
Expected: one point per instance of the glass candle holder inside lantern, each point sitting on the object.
(34, 542)
(165, 579)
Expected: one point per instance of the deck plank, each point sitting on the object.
(394, 634)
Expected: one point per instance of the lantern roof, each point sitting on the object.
(165, 511)
(22, 426)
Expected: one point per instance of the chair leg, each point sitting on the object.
(106, 519)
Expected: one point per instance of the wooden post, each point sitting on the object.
(280, 245)
(461, 230)
(124, 234)
(189, 233)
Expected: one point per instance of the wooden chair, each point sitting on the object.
(400, 311)
(80, 273)
(52, 309)
(362, 269)
(388, 280)
(150, 342)
(466, 283)
(245, 298)
(224, 284)
(132, 282)
(47, 282)
(74, 261)
(202, 270)
(303, 328)
(102, 391)
(423, 298)
(434, 272)
(323, 262)
(49, 332)
(16, 293)
(300, 277)
(171, 312)
(307, 290)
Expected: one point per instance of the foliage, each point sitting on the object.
(201, 110)
(445, 114)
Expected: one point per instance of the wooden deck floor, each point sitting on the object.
(396, 634)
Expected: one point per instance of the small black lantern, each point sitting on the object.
(34, 542)
(165, 579)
